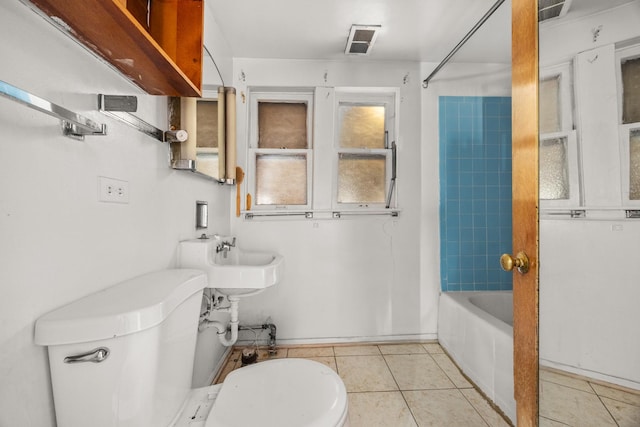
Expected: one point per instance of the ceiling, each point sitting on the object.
(412, 30)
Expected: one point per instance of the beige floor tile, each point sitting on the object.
(440, 408)
(565, 380)
(451, 370)
(401, 348)
(310, 352)
(488, 414)
(572, 407)
(417, 372)
(365, 373)
(379, 409)
(626, 415)
(330, 361)
(356, 350)
(433, 348)
(546, 422)
(617, 394)
(263, 354)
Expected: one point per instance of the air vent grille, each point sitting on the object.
(548, 9)
(361, 39)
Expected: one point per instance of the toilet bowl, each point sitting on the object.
(279, 392)
(124, 357)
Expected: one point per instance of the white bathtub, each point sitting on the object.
(475, 328)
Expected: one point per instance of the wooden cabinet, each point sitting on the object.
(156, 44)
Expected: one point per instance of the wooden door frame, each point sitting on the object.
(525, 206)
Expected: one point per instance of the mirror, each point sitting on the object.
(589, 128)
(210, 148)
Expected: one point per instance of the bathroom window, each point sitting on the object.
(629, 102)
(281, 150)
(559, 174)
(365, 124)
(321, 150)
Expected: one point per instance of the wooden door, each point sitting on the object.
(525, 207)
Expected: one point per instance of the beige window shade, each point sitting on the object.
(550, 120)
(207, 128)
(361, 126)
(282, 125)
(631, 91)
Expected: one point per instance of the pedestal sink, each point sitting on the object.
(230, 270)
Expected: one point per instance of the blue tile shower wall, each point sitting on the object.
(475, 192)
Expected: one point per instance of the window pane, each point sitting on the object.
(361, 178)
(631, 91)
(281, 179)
(554, 169)
(282, 125)
(207, 124)
(361, 126)
(634, 163)
(550, 105)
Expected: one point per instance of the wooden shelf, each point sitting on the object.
(163, 57)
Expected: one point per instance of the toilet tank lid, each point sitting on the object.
(128, 307)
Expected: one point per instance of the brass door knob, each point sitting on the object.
(520, 262)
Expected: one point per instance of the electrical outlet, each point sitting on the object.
(113, 190)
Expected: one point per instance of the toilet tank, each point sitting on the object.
(124, 356)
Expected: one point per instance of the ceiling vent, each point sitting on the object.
(361, 39)
(548, 9)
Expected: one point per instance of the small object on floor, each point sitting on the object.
(249, 356)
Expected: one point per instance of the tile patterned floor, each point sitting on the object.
(569, 400)
(396, 385)
(418, 385)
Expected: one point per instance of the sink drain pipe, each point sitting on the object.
(222, 328)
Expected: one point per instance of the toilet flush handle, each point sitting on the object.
(96, 355)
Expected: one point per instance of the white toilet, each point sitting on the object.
(124, 357)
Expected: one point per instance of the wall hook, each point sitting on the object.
(596, 32)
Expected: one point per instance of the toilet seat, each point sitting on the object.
(283, 393)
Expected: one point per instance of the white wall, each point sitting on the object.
(57, 242)
(588, 289)
(351, 279)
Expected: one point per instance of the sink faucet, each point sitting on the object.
(225, 246)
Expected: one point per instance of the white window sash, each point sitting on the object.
(624, 130)
(387, 97)
(566, 92)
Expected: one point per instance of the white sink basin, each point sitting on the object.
(232, 272)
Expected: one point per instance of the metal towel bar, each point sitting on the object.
(73, 125)
(120, 107)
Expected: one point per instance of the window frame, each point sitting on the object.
(624, 130)
(360, 96)
(288, 95)
(568, 131)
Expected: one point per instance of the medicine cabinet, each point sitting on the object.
(157, 45)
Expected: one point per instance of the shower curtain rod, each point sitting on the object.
(425, 82)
